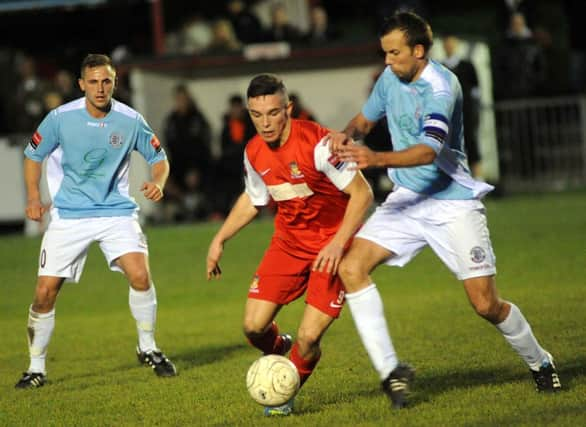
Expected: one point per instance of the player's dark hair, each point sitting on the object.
(416, 29)
(95, 60)
(266, 84)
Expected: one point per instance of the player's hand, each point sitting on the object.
(213, 260)
(328, 259)
(152, 191)
(363, 156)
(337, 141)
(35, 209)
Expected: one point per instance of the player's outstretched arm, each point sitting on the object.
(356, 128)
(364, 157)
(361, 198)
(153, 189)
(240, 215)
(32, 174)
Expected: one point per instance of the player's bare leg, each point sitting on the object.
(143, 306)
(509, 320)
(260, 329)
(263, 333)
(41, 323)
(306, 351)
(367, 311)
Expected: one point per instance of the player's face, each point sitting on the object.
(405, 62)
(98, 84)
(271, 117)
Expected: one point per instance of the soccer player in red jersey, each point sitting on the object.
(321, 202)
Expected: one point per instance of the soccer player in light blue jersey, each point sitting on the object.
(435, 202)
(87, 143)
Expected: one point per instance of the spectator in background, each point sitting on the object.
(6, 86)
(320, 29)
(506, 8)
(237, 129)
(466, 73)
(65, 84)
(246, 25)
(52, 99)
(520, 66)
(281, 28)
(299, 110)
(196, 34)
(223, 37)
(28, 100)
(187, 138)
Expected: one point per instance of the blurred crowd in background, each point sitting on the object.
(538, 48)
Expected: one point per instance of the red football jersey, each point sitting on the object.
(306, 182)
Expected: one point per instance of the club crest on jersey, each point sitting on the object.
(295, 171)
(477, 254)
(156, 143)
(35, 140)
(116, 140)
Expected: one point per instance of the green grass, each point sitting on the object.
(466, 373)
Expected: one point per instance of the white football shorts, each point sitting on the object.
(66, 243)
(456, 230)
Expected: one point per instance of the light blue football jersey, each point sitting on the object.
(427, 111)
(89, 159)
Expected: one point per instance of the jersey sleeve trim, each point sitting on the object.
(338, 172)
(254, 186)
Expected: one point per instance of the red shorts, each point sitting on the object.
(282, 278)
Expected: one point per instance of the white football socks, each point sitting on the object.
(367, 311)
(517, 332)
(143, 306)
(40, 328)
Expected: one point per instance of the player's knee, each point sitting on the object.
(308, 338)
(45, 296)
(253, 329)
(350, 273)
(139, 279)
(488, 309)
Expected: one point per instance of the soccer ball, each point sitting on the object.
(272, 380)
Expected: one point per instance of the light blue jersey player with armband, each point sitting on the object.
(435, 202)
(87, 143)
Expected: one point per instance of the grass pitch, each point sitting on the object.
(466, 373)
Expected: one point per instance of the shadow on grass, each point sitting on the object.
(206, 355)
(426, 386)
(437, 384)
(186, 360)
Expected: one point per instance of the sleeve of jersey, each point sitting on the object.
(44, 140)
(148, 144)
(375, 105)
(254, 185)
(436, 124)
(338, 172)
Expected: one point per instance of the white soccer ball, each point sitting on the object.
(272, 380)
